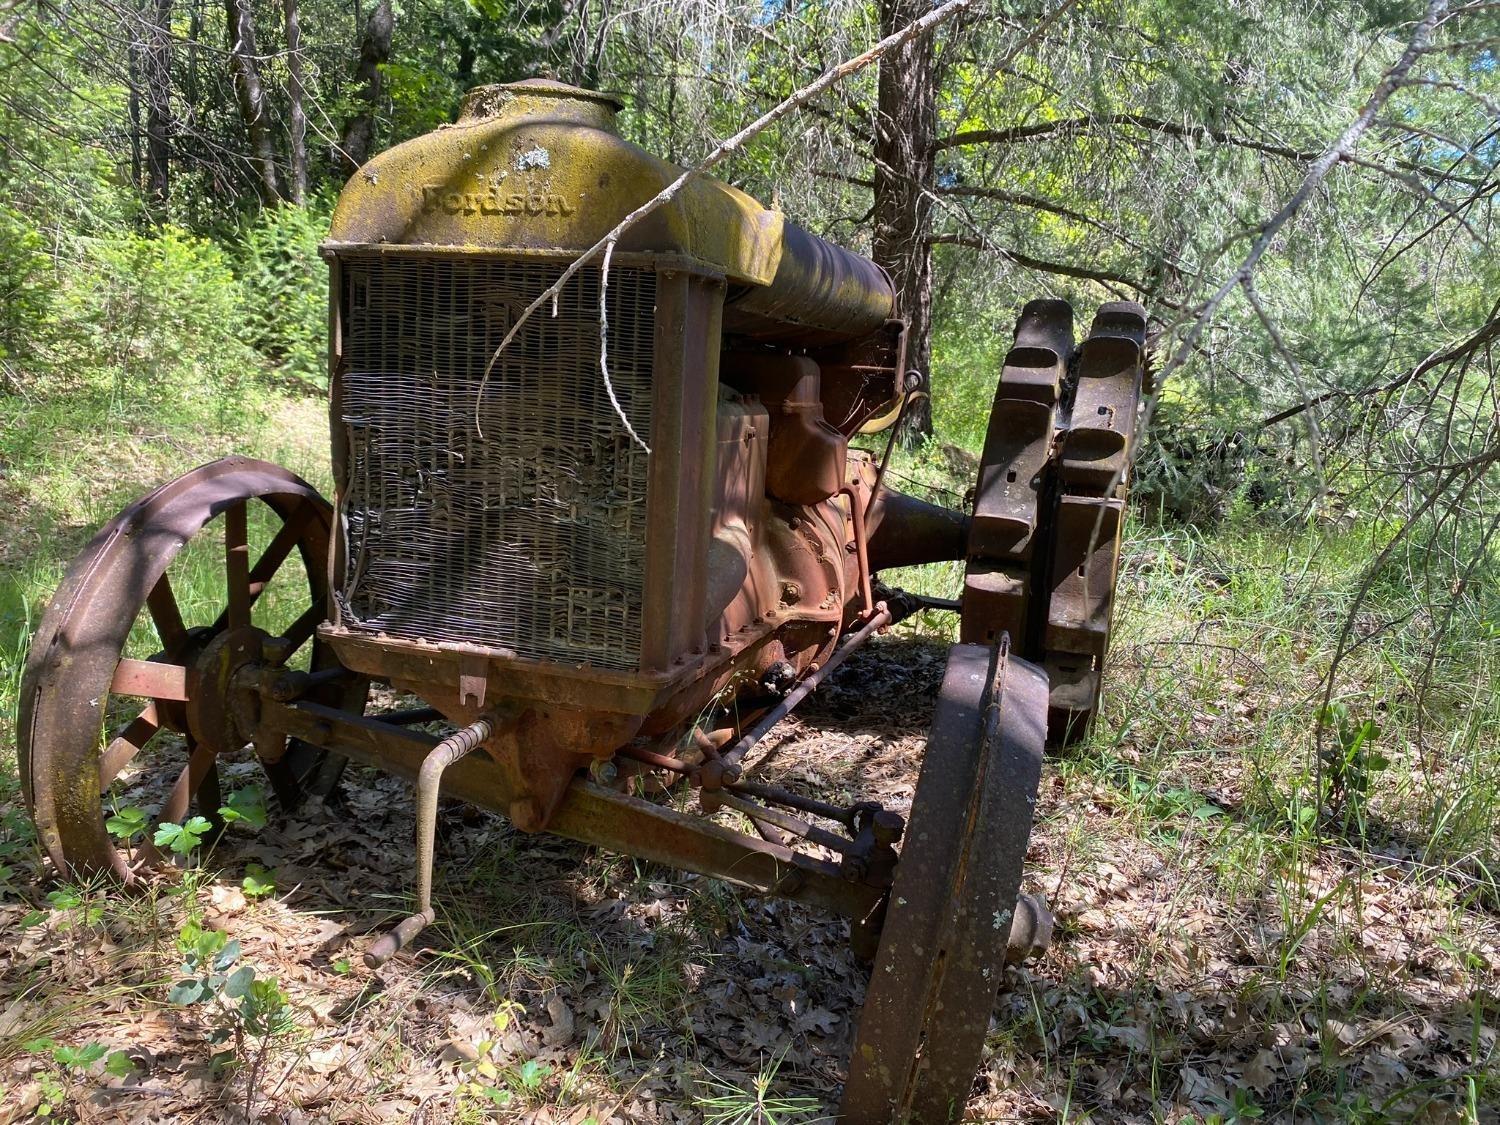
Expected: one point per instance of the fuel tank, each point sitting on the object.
(539, 168)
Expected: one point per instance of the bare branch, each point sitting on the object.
(1026, 261)
(801, 97)
(1090, 123)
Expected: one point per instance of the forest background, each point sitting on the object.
(1307, 697)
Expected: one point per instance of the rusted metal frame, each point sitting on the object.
(861, 547)
(733, 796)
(334, 252)
(429, 783)
(359, 736)
(166, 615)
(258, 577)
(913, 532)
(622, 823)
(593, 814)
(1008, 540)
(149, 679)
(821, 293)
(679, 500)
(127, 744)
(1101, 429)
(1080, 565)
(294, 684)
(735, 755)
(415, 663)
(237, 566)
(940, 605)
(774, 795)
(785, 821)
(410, 716)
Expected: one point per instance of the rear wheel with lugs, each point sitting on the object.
(951, 910)
(123, 678)
(1049, 503)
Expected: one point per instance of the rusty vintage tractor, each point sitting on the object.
(617, 550)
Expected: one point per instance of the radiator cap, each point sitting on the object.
(540, 99)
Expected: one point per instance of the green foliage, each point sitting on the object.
(258, 882)
(70, 1060)
(25, 289)
(1349, 759)
(265, 1009)
(725, 1102)
(76, 905)
(73, 1058)
(285, 287)
(484, 1080)
(183, 838)
(207, 956)
(238, 1002)
(126, 824)
(154, 320)
(247, 805)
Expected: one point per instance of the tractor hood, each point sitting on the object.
(539, 166)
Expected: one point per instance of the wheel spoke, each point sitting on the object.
(166, 615)
(189, 781)
(300, 630)
(115, 593)
(127, 744)
(237, 566)
(276, 552)
(149, 679)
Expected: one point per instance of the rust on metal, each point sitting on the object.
(952, 908)
(634, 539)
(458, 745)
(75, 664)
(1044, 544)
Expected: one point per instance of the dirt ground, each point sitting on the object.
(563, 985)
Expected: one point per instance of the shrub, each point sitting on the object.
(155, 321)
(25, 291)
(285, 285)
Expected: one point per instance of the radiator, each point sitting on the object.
(508, 512)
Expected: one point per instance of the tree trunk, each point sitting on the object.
(252, 96)
(158, 75)
(297, 116)
(195, 37)
(374, 49)
(905, 126)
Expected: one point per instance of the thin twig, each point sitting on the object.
(724, 149)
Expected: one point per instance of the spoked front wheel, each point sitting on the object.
(952, 906)
(118, 652)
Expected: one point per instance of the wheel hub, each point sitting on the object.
(223, 708)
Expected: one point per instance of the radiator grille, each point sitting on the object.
(532, 537)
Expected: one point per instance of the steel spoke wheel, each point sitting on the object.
(1048, 520)
(80, 679)
(949, 918)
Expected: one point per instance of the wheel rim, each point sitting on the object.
(921, 1032)
(1048, 519)
(77, 661)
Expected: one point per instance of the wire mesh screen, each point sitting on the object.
(532, 536)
